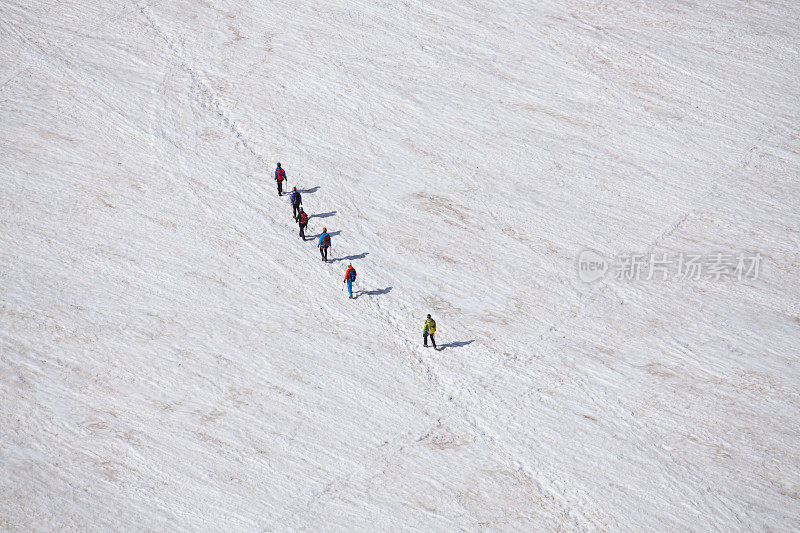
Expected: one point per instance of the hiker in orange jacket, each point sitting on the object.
(349, 278)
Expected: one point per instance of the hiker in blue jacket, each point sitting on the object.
(296, 201)
(324, 243)
(280, 176)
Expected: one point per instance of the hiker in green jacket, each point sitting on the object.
(428, 331)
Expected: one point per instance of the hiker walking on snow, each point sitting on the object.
(349, 278)
(302, 219)
(324, 243)
(296, 201)
(428, 331)
(280, 176)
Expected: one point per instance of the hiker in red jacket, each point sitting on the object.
(280, 176)
(302, 219)
(349, 278)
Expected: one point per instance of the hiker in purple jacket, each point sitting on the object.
(296, 201)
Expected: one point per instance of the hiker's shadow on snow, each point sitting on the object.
(375, 292)
(351, 257)
(312, 190)
(323, 215)
(456, 344)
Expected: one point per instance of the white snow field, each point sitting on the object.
(174, 358)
